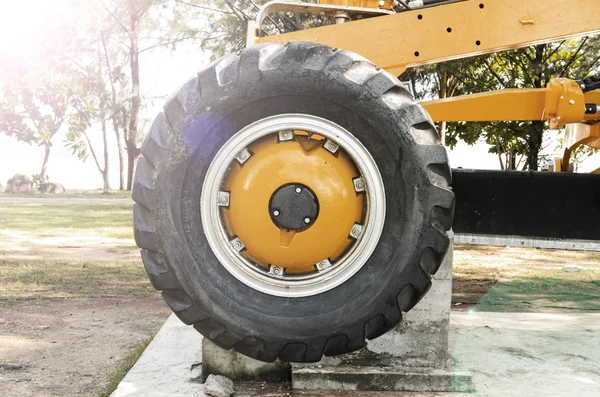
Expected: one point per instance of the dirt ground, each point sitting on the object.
(66, 346)
(74, 299)
(28, 246)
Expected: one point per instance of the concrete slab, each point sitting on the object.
(357, 378)
(528, 354)
(167, 366)
(507, 354)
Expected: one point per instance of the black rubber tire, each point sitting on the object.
(293, 78)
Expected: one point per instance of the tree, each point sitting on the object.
(117, 111)
(37, 100)
(437, 80)
(531, 67)
(139, 26)
(229, 20)
(127, 29)
(78, 138)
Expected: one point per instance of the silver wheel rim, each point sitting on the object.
(327, 275)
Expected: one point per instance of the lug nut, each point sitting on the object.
(307, 220)
(275, 213)
(298, 190)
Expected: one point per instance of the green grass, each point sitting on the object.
(525, 279)
(27, 279)
(47, 220)
(114, 375)
(92, 194)
(531, 294)
(122, 249)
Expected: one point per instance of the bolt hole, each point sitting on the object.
(419, 17)
(482, 6)
(478, 42)
(417, 53)
(449, 30)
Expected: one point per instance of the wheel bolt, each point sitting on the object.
(298, 190)
(306, 220)
(275, 213)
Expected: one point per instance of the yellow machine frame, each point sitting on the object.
(443, 32)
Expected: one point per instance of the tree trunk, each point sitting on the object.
(534, 144)
(45, 163)
(131, 141)
(512, 160)
(441, 126)
(121, 152)
(102, 171)
(115, 120)
(105, 171)
(534, 139)
(499, 153)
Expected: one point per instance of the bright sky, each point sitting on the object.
(24, 24)
(161, 74)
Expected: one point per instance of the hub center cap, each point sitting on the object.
(293, 207)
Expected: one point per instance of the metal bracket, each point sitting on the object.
(254, 28)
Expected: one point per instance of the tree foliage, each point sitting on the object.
(36, 101)
(531, 67)
(130, 28)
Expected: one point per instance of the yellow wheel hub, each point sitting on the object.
(301, 160)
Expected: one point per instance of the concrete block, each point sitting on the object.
(412, 357)
(165, 368)
(381, 379)
(236, 366)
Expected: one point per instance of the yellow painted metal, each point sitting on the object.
(388, 4)
(453, 31)
(561, 102)
(577, 135)
(565, 103)
(509, 104)
(352, 3)
(557, 164)
(274, 164)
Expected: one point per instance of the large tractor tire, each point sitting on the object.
(291, 201)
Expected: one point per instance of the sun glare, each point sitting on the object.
(24, 24)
